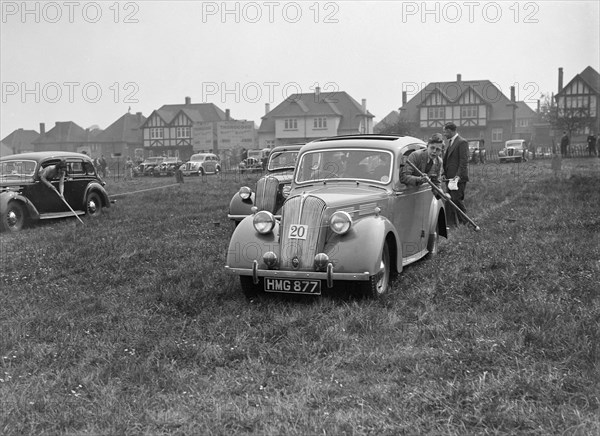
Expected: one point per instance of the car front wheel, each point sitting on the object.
(379, 283)
(14, 217)
(93, 205)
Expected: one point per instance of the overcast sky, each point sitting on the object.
(89, 62)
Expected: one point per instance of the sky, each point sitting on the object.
(91, 62)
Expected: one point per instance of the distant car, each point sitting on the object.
(515, 150)
(250, 165)
(146, 168)
(167, 167)
(271, 188)
(201, 164)
(476, 150)
(348, 222)
(24, 199)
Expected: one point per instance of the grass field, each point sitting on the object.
(129, 324)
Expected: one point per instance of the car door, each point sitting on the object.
(45, 199)
(408, 208)
(75, 183)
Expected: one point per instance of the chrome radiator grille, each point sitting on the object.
(307, 211)
(266, 194)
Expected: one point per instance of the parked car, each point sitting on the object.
(250, 165)
(515, 150)
(201, 164)
(167, 167)
(476, 150)
(146, 168)
(271, 189)
(24, 199)
(261, 155)
(348, 220)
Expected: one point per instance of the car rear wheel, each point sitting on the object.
(14, 218)
(93, 205)
(249, 289)
(380, 282)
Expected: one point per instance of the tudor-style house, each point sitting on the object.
(578, 102)
(477, 107)
(181, 130)
(304, 117)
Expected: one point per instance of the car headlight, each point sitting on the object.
(264, 221)
(340, 222)
(245, 193)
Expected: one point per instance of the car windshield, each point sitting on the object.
(198, 158)
(514, 144)
(345, 164)
(282, 159)
(17, 168)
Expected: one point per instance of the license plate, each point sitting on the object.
(297, 231)
(291, 286)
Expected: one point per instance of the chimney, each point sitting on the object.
(538, 106)
(512, 94)
(227, 115)
(403, 98)
(42, 128)
(188, 100)
(139, 116)
(560, 79)
(267, 108)
(364, 105)
(317, 93)
(459, 78)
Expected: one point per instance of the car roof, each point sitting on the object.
(388, 142)
(288, 147)
(44, 155)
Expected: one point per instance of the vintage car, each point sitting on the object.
(348, 222)
(271, 189)
(476, 150)
(146, 168)
(250, 165)
(201, 164)
(25, 199)
(515, 150)
(167, 167)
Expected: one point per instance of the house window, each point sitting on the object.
(522, 122)
(183, 132)
(468, 112)
(435, 113)
(270, 143)
(320, 123)
(291, 124)
(156, 133)
(496, 135)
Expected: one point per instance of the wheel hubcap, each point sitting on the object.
(92, 207)
(12, 218)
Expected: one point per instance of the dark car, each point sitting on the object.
(167, 167)
(476, 150)
(271, 188)
(146, 168)
(24, 198)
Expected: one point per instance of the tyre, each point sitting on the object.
(14, 218)
(93, 205)
(249, 289)
(379, 283)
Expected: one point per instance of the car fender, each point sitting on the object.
(238, 206)
(98, 188)
(8, 196)
(360, 249)
(247, 245)
(435, 209)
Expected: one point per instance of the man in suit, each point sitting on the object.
(456, 170)
(428, 161)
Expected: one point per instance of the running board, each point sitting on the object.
(48, 216)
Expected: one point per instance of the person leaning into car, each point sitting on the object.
(456, 170)
(428, 161)
(54, 172)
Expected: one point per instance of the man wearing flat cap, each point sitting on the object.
(456, 170)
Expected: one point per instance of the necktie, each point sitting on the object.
(428, 166)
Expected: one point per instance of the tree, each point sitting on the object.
(571, 120)
(402, 127)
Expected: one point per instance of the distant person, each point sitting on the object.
(103, 165)
(456, 170)
(591, 140)
(58, 172)
(128, 169)
(564, 144)
(428, 161)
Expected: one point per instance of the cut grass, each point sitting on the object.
(130, 324)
